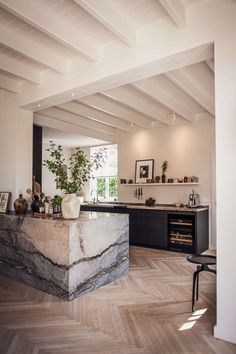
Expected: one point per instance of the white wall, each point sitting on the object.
(48, 183)
(16, 127)
(186, 146)
(225, 93)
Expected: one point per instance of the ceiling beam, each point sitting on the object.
(31, 50)
(105, 13)
(210, 63)
(107, 105)
(76, 119)
(9, 84)
(176, 11)
(144, 105)
(34, 14)
(165, 96)
(192, 89)
(14, 67)
(49, 122)
(95, 115)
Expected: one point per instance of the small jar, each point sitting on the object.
(20, 205)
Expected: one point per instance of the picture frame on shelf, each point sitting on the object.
(144, 170)
(4, 202)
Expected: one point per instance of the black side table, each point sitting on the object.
(203, 262)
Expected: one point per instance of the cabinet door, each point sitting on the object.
(148, 229)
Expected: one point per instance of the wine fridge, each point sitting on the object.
(181, 235)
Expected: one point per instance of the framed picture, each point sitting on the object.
(4, 201)
(144, 170)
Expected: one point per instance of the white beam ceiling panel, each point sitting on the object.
(168, 94)
(110, 18)
(34, 14)
(107, 105)
(176, 11)
(31, 50)
(14, 67)
(143, 104)
(70, 128)
(211, 64)
(72, 118)
(198, 84)
(9, 84)
(95, 115)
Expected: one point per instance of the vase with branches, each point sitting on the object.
(71, 179)
(164, 167)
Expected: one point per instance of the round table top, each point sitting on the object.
(202, 259)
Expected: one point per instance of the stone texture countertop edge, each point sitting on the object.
(84, 217)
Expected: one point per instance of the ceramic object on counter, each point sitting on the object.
(20, 205)
(70, 206)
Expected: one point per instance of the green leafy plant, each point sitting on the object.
(164, 166)
(56, 200)
(78, 171)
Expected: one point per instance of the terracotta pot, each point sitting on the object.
(70, 206)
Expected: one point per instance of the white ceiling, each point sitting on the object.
(47, 38)
(68, 140)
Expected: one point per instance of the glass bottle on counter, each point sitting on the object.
(46, 206)
(50, 207)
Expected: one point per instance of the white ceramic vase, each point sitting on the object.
(70, 206)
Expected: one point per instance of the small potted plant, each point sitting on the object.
(72, 179)
(164, 167)
(56, 204)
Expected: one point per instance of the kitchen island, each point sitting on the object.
(66, 258)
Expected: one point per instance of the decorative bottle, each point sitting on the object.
(20, 205)
(46, 206)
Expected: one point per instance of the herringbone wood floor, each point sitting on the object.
(139, 314)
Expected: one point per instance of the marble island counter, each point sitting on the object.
(66, 258)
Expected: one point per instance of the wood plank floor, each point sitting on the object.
(149, 311)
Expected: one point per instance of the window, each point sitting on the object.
(105, 181)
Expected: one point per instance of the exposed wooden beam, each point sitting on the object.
(95, 115)
(70, 128)
(144, 105)
(176, 11)
(192, 89)
(105, 13)
(72, 118)
(165, 96)
(14, 67)
(107, 105)
(9, 84)
(38, 17)
(31, 50)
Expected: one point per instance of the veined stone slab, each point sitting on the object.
(66, 258)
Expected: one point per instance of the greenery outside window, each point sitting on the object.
(105, 181)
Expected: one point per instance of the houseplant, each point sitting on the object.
(71, 179)
(56, 204)
(164, 167)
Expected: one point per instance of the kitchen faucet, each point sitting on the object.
(95, 200)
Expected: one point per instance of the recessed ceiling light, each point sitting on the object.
(39, 105)
(73, 94)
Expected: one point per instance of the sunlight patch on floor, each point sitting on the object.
(192, 320)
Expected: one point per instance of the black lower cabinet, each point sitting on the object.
(175, 231)
(148, 228)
